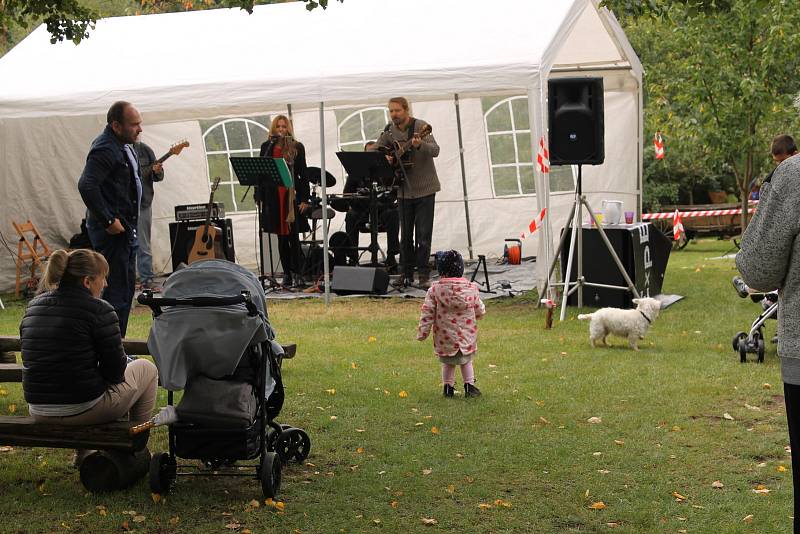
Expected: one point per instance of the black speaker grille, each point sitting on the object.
(575, 121)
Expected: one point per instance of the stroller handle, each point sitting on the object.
(146, 298)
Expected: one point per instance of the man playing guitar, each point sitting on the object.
(417, 192)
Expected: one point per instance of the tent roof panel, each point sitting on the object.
(284, 54)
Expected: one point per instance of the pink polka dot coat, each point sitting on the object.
(451, 310)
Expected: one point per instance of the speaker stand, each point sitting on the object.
(482, 263)
(575, 224)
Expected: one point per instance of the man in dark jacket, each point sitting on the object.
(111, 188)
(150, 171)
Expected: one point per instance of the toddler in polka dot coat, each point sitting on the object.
(451, 310)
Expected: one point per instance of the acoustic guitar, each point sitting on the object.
(208, 238)
(400, 149)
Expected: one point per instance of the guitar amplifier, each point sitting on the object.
(181, 238)
(197, 212)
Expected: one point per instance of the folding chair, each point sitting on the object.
(37, 252)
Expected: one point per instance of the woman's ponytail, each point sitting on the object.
(63, 267)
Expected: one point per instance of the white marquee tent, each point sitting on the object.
(477, 71)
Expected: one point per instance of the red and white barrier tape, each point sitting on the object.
(702, 213)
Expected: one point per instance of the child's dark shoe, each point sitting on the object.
(449, 391)
(471, 391)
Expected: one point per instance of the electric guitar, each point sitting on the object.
(174, 150)
(208, 238)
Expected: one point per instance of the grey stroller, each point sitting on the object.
(212, 339)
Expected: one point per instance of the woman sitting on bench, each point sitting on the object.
(75, 369)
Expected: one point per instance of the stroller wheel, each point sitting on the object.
(270, 475)
(293, 443)
(737, 337)
(760, 350)
(162, 473)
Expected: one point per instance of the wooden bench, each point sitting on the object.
(119, 461)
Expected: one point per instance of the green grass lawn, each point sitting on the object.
(524, 450)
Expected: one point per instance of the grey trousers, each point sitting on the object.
(144, 259)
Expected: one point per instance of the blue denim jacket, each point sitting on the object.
(108, 184)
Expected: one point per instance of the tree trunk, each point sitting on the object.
(745, 204)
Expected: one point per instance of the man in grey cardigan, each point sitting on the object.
(417, 195)
(150, 171)
(769, 259)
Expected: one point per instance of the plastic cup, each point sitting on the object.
(599, 217)
(629, 217)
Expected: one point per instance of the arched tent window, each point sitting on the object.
(232, 137)
(508, 138)
(356, 127)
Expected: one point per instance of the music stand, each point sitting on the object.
(258, 172)
(373, 166)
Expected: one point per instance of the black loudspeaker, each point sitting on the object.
(575, 121)
(643, 251)
(359, 280)
(181, 239)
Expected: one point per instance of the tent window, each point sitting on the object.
(508, 135)
(232, 137)
(356, 127)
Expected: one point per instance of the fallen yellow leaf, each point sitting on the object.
(599, 505)
(331, 391)
(174, 520)
(451, 489)
(781, 469)
(678, 496)
(353, 365)
(434, 430)
(156, 497)
(748, 518)
(360, 450)
(3, 392)
(372, 339)
(255, 503)
(427, 471)
(429, 521)
(280, 506)
(484, 506)
(402, 394)
(619, 442)
(717, 484)
(12, 408)
(138, 519)
(501, 502)
(394, 504)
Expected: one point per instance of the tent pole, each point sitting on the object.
(463, 175)
(325, 264)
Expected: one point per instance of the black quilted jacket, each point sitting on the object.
(71, 347)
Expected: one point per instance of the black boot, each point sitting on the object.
(449, 390)
(471, 391)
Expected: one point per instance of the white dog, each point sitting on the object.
(632, 324)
